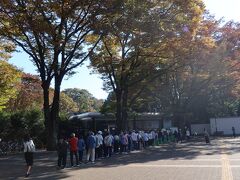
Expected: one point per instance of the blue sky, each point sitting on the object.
(82, 79)
(229, 9)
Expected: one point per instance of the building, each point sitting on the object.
(223, 126)
(96, 121)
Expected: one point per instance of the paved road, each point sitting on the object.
(187, 161)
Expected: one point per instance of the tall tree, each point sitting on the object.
(9, 75)
(67, 105)
(53, 34)
(29, 94)
(9, 80)
(84, 100)
(137, 34)
(207, 86)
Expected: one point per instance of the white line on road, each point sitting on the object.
(180, 166)
(226, 168)
(195, 160)
(174, 165)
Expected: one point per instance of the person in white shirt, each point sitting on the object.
(116, 143)
(29, 148)
(108, 141)
(188, 134)
(134, 137)
(145, 139)
(99, 144)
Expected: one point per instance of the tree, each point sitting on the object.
(139, 40)
(53, 34)
(207, 86)
(225, 100)
(29, 94)
(9, 79)
(9, 75)
(14, 125)
(67, 105)
(84, 100)
(109, 105)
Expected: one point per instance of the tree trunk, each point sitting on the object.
(54, 117)
(125, 109)
(46, 110)
(119, 111)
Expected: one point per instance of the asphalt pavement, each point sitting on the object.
(192, 160)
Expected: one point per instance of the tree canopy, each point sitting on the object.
(142, 40)
(9, 80)
(84, 100)
(53, 34)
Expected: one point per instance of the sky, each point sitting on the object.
(229, 9)
(84, 79)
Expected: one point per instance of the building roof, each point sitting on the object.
(85, 116)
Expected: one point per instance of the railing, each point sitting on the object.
(10, 147)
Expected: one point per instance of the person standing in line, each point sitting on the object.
(188, 134)
(134, 139)
(62, 147)
(167, 135)
(81, 148)
(108, 141)
(29, 149)
(125, 142)
(206, 136)
(150, 139)
(179, 135)
(234, 132)
(99, 145)
(140, 140)
(130, 142)
(91, 143)
(145, 138)
(175, 135)
(153, 137)
(116, 143)
(73, 148)
(121, 141)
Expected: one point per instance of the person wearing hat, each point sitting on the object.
(99, 145)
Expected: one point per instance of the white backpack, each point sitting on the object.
(30, 146)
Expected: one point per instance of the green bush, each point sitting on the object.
(13, 126)
(5, 124)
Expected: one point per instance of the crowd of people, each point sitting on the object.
(104, 144)
(100, 145)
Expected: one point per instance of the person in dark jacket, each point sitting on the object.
(62, 147)
(233, 132)
(91, 144)
(206, 136)
(81, 148)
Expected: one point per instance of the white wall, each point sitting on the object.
(225, 125)
(167, 123)
(199, 128)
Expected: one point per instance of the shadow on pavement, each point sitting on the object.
(13, 167)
